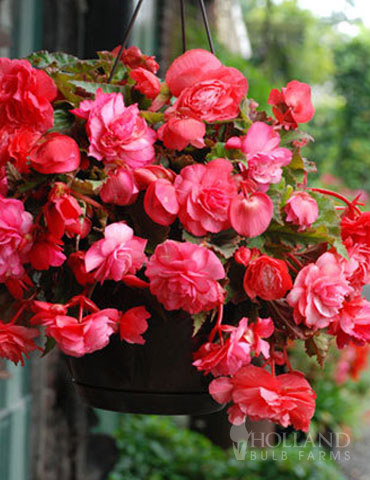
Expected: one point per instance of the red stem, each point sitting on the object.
(287, 361)
(336, 195)
(216, 328)
(87, 199)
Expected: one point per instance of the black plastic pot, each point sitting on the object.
(155, 378)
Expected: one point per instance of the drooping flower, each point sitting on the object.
(16, 145)
(160, 202)
(16, 341)
(301, 209)
(184, 275)
(118, 254)
(251, 216)
(120, 187)
(79, 338)
(26, 94)
(267, 278)
(358, 274)
(46, 251)
(228, 357)
(352, 323)
(149, 174)
(265, 157)
(319, 292)
(117, 133)
(133, 57)
(205, 193)
(62, 212)
(55, 153)
(15, 238)
(357, 228)
(292, 105)
(146, 82)
(132, 324)
(179, 131)
(287, 399)
(76, 262)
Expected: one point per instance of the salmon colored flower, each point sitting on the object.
(301, 209)
(132, 324)
(15, 238)
(146, 82)
(286, 399)
(117, 133)
(205, 193)
(267, 278)
(251, 216)
(16, 341)
(292, 105)
(184, 276)
(55, 153)
(319, 292)
(160, 202)
(118, 254)
(120, 187)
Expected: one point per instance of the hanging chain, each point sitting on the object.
(206, 25)
(183, 30)
(125, 38)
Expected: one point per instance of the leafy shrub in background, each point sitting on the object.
(156, 448)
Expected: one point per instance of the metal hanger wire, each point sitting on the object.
(183, 31)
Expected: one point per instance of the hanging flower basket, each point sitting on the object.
(162, 234)
(154, 377)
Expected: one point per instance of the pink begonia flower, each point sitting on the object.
(116, 132)
(286, 399)
(120, 187)
(319, 292)
(179, 131)
(184, 276)
(146, 82)
(46, 252)
(26, 94)
(359, 273)
(79, 338)
(189, 69)
(118, 254)
(205, 193)
(55, 153)
(267, 278)
(234, 353)
(301, 209)
(3, 182)
(16, 145)
(205, 88)
(146, 175)
(250, 216)
(132, 324)
(15, 238)
(160, 202)
(62, 212)
(292, 105)
(133, 57)
(16, 341)
(352, 323)
(265, 157)
(356, 228)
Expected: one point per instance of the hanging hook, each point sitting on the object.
(206, 24)
(183, 29)
(125, 38)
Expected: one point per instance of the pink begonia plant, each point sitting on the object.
(182, 190)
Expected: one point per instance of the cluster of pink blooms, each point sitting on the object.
(169, 187)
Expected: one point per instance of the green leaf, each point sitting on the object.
(318, 346)
(43, 59)
(188, 237)
(294, 135)
(92, 87)
(276, 193)
(63, 121)
(225, 243)
(152, 117)
(198, 321)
